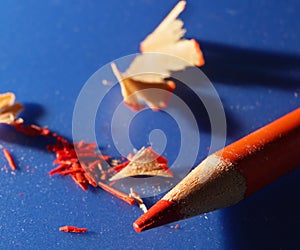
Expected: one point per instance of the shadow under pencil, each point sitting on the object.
(232, 65)
(270, 218)
(267, 220)
(229, 65)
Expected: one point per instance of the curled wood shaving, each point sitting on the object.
(9, 109)
(144, 162)
(160, 54)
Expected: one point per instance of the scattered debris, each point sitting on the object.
(138, 199)
(117, 193)
(71, 157)
(85, 165)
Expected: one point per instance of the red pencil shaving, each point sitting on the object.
(74, 159)
(85, 166)
(73, 229)
(32, 129)
(71, 158)
(81, 162)
(117, 193)
(9, 159)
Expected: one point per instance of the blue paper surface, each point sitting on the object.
(49, 50)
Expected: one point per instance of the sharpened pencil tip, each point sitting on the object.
(163, 212)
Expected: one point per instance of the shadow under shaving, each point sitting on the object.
(228, 64)
(30, 115)
(203, 101)
(32, 112)
(194, 103)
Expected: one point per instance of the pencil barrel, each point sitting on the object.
(268, 153)
(231, 174)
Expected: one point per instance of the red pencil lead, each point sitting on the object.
(163, 212)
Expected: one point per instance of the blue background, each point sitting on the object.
(48, 50)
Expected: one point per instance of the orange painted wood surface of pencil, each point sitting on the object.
(268, 153)
(231, 174)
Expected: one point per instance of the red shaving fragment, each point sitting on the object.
(73, 229)
(70, 172)
(91, 168)
(81, 161)
(117, 193)
(90, 180)
(159, 158)
(32, 130)
(85, 155)
(59, 169)
(68, 155)
(81, 182)
(104, 157)
(79, 177)
(75, 159)
(79, 144)
(118, 168)
(93, 165)
(103, 176)
(9, 159)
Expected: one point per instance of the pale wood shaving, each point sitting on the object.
(163, 51)
(9, 109)
(144, 162)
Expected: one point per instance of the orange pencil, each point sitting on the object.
(231, 174)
